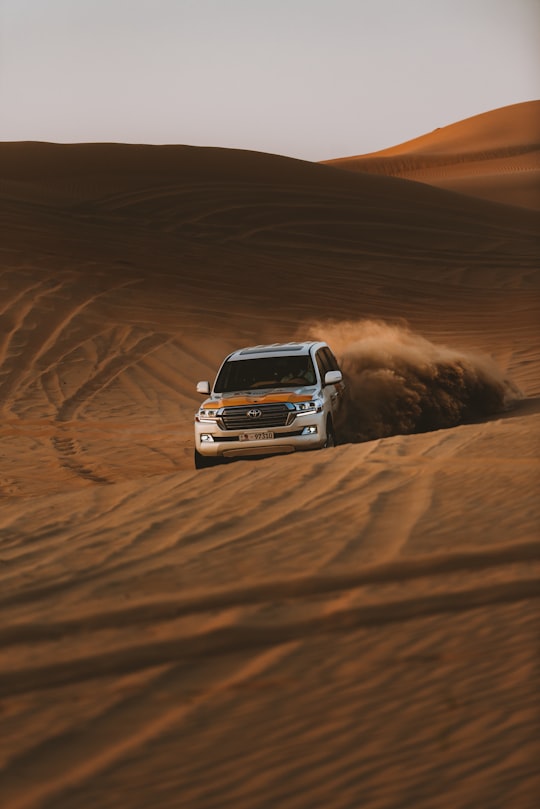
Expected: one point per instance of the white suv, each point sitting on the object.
(267, 400)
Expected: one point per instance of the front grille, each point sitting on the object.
(272, 415)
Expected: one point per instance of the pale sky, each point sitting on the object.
(313, 79)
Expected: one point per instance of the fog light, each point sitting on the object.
(311, 430)
(206, 438)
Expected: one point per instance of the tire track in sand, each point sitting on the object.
(17, 324)
(109, 742)
(39, 321)
(292, 589)
(394, 512)
(237, 639)
(64, 441)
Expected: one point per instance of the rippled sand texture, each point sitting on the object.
(357, 627)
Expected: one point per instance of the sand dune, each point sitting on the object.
(353, 627)
(495, 156)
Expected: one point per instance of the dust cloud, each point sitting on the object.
(399, 382)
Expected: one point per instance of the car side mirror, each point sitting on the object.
(332, 377)
(203, 387)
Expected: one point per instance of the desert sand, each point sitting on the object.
(355, 627)
(495, 156)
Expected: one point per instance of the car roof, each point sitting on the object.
(275, 349)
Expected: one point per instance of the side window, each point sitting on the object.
(321, 365)
(331, 361)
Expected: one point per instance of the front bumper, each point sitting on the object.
(307, 431)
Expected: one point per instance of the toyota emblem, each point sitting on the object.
(254, 414)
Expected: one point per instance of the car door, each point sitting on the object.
(331, 393)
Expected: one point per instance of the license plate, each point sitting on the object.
(259, 436)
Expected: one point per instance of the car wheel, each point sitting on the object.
(330, 435)
(204, 461)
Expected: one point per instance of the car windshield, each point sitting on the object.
(267, 372)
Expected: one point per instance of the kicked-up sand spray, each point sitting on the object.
(399, 382)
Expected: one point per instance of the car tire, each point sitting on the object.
(205, 461)
(330, 435)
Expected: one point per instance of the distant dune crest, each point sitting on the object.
(495, 156)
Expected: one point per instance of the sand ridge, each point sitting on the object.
(495, 156)
(353, 627)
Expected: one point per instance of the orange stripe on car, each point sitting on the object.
(235, 401)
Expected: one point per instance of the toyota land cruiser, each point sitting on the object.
(267, 400)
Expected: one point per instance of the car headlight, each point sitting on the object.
(305, 407)
(206, 414)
